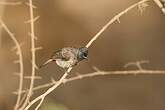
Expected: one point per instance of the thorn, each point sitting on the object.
(163, 10)
(23, 98)
(137, 64)
(128, 64)
(38, 48)
(15, 92)
(143, 61)
(15, 47)
(52, 80)
(23, 91)
(32, 35)
(34, 20)
(10, 3)
(142, 7)
(30, 77)
(96, 69)
(64, 81)
(16, 74)
(27, 3)
(35, 66)
(118, 20)
(16, 61)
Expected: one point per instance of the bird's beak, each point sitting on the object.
(44, 64)
(85, 58)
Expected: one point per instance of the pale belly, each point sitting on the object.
(65, 64)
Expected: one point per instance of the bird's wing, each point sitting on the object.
(69, 53)
(59, 55)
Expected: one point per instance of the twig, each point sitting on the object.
(10, 3)
(28, 4)
(20, 63)
(41, 97)
(23, 98)
(138, 64)
(160, 5)
(33, 55)
(115, 18)
(35, 19)
(100, 73)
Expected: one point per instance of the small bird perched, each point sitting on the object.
(68, 57)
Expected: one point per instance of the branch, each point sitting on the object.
(115, 18)
(62, 79)
(20, 61)
(10, 3)
(101, 73)
(138, 64)
(33, 55)
(160, 5)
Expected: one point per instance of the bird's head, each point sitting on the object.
(82, 53)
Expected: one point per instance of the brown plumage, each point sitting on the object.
(68, 57)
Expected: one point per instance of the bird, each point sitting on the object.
(67, 57)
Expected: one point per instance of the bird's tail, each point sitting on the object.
(47, 62)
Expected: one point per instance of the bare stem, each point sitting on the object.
(10, 3)
(21, 71)
(115, 18)
(160, 5)
(33, 55)
(100, 73)
(42, 97)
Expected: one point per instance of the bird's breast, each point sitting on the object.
(65, 64)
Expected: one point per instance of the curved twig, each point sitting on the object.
(33, 55)
(100, 73)
(19, 51)
(42, 97)
(115, 18)
(10, 3)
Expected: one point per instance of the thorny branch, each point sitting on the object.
(42, 97)
(98, 72)
(10, 3)
(138, 64)
(160, 4)
(29, 94)
(115, 18)
(20, 61)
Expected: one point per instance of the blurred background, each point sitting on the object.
(65, 23)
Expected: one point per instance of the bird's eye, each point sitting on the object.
(85, 54)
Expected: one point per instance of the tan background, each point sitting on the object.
(73, 23)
